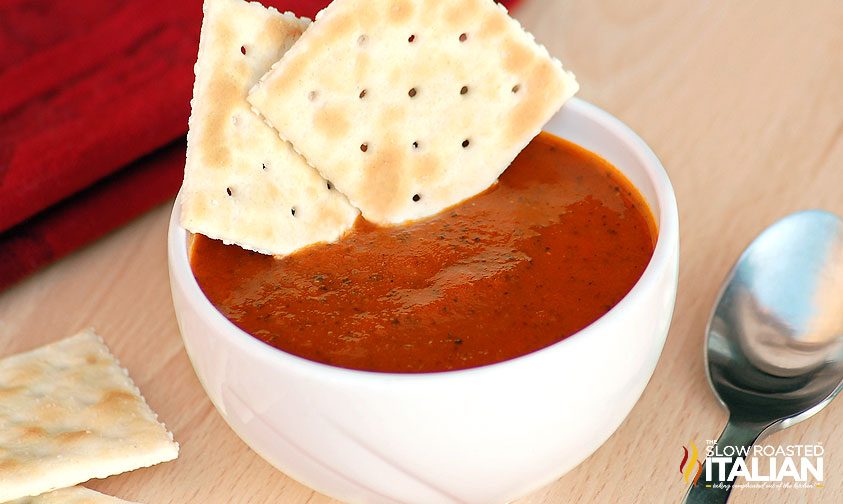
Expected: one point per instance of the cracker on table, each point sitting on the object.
(411, 106)
(242, 183)
(69, 413)
(72, 495)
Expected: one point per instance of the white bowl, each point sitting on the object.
(483, 435)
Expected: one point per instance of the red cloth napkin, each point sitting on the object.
(93, 110)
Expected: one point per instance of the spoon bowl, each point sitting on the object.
(774, 345)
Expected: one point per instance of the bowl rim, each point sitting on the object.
(668, 235)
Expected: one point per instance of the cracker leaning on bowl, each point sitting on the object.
(242, 183)
(405, 107)
(70, 413)
(411, 106)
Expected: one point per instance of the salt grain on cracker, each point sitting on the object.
(242, 183)
(69, 413)
(411, 106)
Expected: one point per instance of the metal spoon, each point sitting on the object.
(774, 348)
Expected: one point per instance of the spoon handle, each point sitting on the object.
(711, 488)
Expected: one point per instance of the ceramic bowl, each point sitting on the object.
(483, 435)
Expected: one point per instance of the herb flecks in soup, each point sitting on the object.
(545, 252)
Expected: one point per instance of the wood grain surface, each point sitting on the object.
(742, 101)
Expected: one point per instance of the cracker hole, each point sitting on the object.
(243, 50)
(466, 143)
(411, 39)
(463, 37)
(416, 197)
(293, 211)
(415, 145)
(228, 190)
(329, 184)
(263, 166)
(362, 39)
(313, 95)
(362, 94)
(464, 90)
(364, 147)
(413, 93)
(516, 88)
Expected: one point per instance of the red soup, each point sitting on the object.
(551, 247)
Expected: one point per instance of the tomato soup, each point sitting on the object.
(555, 244)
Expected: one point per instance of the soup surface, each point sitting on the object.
(551, 247)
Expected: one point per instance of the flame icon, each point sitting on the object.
(687, 466)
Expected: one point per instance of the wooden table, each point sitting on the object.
(743, 102)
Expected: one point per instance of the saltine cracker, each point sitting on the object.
(242, 183)
(72, 495)
(69, 413)
(411, 106)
